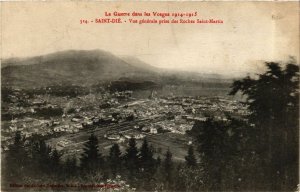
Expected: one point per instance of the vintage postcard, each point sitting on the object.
(149, 96)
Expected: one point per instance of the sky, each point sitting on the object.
(252, 32)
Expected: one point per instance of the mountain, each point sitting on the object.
(73, 67)
(140, 64)
(88, 67)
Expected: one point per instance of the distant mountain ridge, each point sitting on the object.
(84, 67)
(77, 67)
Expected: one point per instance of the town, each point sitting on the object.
(114, 117)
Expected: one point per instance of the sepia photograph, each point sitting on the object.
(150, 96)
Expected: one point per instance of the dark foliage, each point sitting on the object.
(131, 160)
(115, 159)
(91, 159)
(273, 99)
(168, 168)
(70, 167)
(32, 160)
(16, 159)
(190, 158)
(147, 165)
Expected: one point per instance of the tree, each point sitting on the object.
(16, 159)
(213, 148)
(190, 158)
(273, 100)
(147, 161)
(55, 164)
(158, 161)
(115, 159)
(147, 165)
(168, 168)
(41, 154)
(220, 145)
(91, 159)
(70, 166)
(131, 160)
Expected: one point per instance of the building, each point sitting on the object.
(153, 130)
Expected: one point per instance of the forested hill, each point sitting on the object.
(82, 67)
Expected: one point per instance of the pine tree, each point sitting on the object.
(131, 159)
(147, 165)
(91, 159)
(55, 164)
(146, 157)
(273, 102)
(115, 159)
(41, 156)
(190, 158)
(168, 168)
(70, 166)
(16, 159)
(158, 161)
(215, 148)
(159, 175)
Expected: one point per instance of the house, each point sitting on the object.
(127, 136)
(201, 118)
(95, 120)
(113, 137)
(13, 128)
(74, 130)
(88, 122)
(38, 102)
(139, 136)
(58, 129)
(121, 140)
(153, 130)
(191, 118)
(145, 129)
(63, 143)
(78, 126)
(74, 119)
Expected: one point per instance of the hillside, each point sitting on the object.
(79, 67)
(74, 67)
